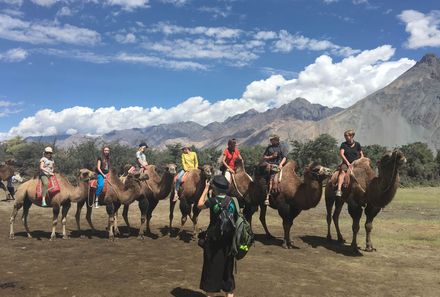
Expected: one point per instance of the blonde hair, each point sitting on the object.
(349, 132)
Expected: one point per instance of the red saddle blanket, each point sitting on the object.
(53, 188)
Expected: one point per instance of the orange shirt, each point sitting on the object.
(231, 158)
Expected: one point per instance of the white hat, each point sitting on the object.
(48, 150)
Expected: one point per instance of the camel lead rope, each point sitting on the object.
(235, 185)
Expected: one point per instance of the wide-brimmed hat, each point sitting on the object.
(185, 147)
(48, 150)
(274, 136)
(143, 144)
(219, 181)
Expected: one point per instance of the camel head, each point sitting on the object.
(318, 172)
(207, 170)
(262, 169)
(391, 160)
(138, 176)
(171, 168)
(85, 175)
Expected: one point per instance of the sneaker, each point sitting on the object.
(338, 193)
(96, 204)
(43, 203)
(176, 197)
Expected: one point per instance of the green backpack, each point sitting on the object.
(243, 236)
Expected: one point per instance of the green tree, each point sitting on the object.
(374, 152)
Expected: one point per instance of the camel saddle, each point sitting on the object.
(184, 178)
(94, 185)
(53, 189)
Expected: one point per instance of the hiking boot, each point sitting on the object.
(338, 193)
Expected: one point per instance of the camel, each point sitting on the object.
(154, 189)
(293, 195)
(7, 172)
(189, 194)
(240, 182)
(26, 196)
(121, 193)
(367, 190)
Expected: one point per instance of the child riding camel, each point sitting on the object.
(349, 151)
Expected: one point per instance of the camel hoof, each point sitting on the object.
(287, 245)
(29, 236)
(329, 238)
(270, 236)
(11, 236)
(140, 237)
(65, 237)
(370, 249)
(52, 238)
(111, 238)
(117, 232)
(341, 240)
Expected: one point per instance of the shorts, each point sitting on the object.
(343, 167)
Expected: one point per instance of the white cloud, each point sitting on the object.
(7, 108)
(216, 32)
(326, 82)
(127, 38)
(330, 1)
(129, 5)
(14, 55)
(46, 3)
(216, 11)
(12, 2)
(424, 29)
(287, 42)
(177, 3)
(45, 32)
(64, 11)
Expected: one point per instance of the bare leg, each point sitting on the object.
(329, 201)
(64, 212)
(338, 208)
(56, 212)
(26, 206)
(371, 212)
(263, 209)
(355, 211)
(341, 180)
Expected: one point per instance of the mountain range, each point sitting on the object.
(405, 111)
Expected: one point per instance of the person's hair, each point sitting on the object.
(232, 142)
(349, 133)
(103, 149)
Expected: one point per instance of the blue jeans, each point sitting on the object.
(179, 179)
(10, 185)
(100, 185)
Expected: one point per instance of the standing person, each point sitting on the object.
(47, 169)
(349, 151)
(276, 158)
(141, 158)
(102, 169)
(218, 263)
(230, 155)
(189, 162)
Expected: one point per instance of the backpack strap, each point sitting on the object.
(236, 204)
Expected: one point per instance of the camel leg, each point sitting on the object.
(15, 210)
(125, 215)
(195, 218)
(56, 212)
(171, 217)
(370, 212)
(26, 206)
(284, 212)
(64, 211)
(248, 212)
(185, 209)
(355, 211)
(263, 209)
(329, 202)
(143, 207)
(111, 216)
(115, 221)
(338, 207)
(79, 207)
(152, 205)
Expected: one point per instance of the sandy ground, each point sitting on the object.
(407, 261)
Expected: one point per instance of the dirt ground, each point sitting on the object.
(406, 263)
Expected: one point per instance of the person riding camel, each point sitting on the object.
(102, 169)
(349, 151)
(141, 158)
(276, 158)
(189, 162)
(47, 169)
(230, 155)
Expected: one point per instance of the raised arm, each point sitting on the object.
(202, 200)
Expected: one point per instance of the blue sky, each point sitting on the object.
(71, 66)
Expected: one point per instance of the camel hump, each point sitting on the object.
(362, 162)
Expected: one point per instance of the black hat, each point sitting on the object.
(219, 181)
(143, 144)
